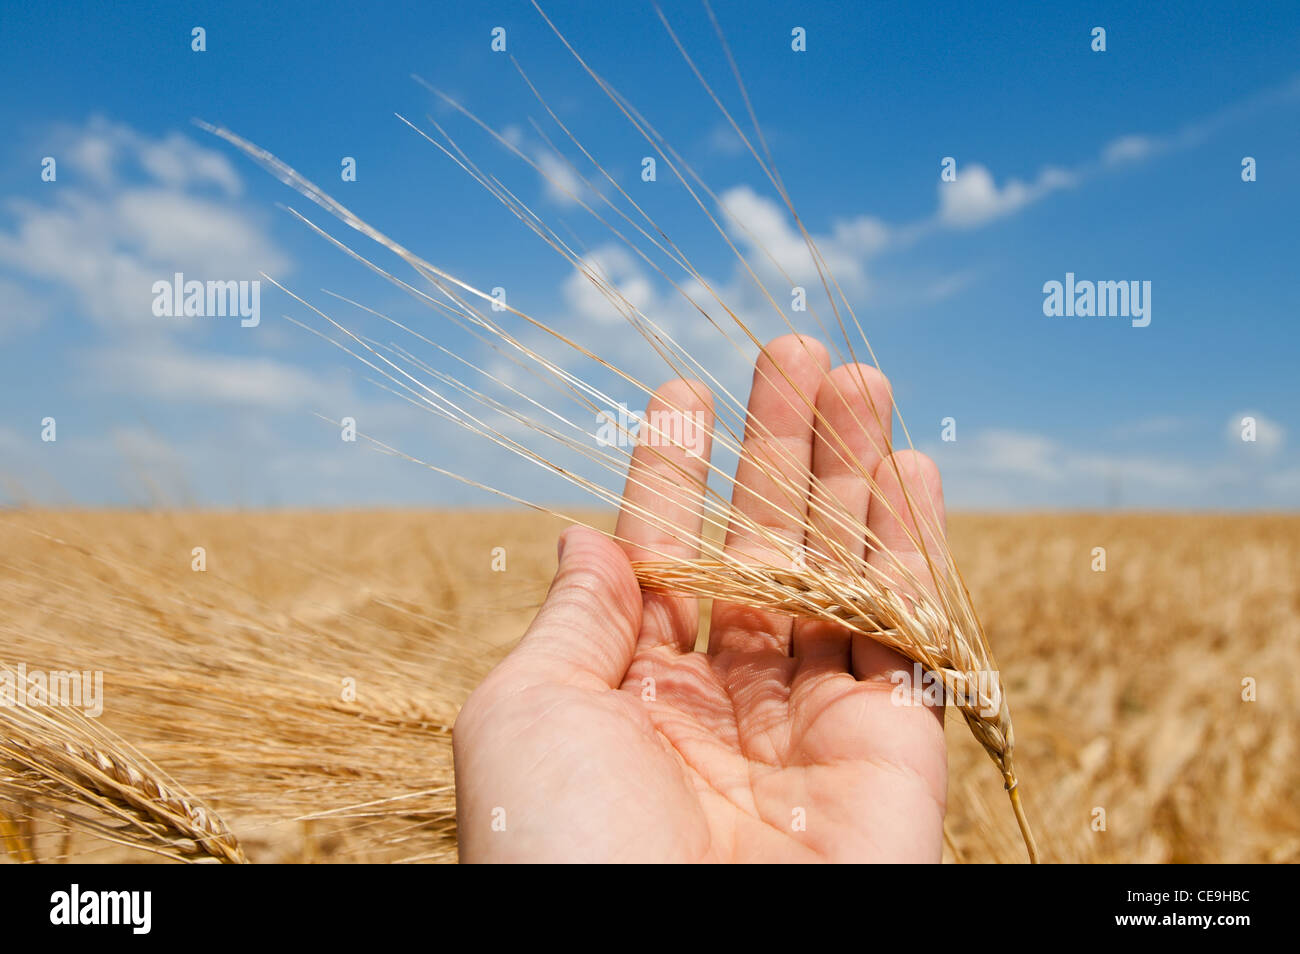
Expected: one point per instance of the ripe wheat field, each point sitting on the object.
(304, 684)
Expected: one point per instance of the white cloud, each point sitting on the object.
(722, 140)
(1130, 148)
(103, 151)
(94, 155)
(167, 373)
(758, 224)
(164, 225)
(560, 183)
(513, 135)
(1019, 454)
(180, 163)
(863, 236)
(763, 229)
(1006, 468)
(616, 267)
(105, 242)
(763, 226)
(975, 199)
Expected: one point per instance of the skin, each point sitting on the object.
(781, 743)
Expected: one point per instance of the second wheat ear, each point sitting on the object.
(534, 405)
(57, 761)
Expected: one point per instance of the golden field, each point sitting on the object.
(305, 682)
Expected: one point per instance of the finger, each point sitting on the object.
(661, 517)
(910, 531)
(586, 630)
(771, 484)
(852, 432)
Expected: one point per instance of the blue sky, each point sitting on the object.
(1116, 165)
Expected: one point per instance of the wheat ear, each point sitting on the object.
(910, 626)
(56, 760)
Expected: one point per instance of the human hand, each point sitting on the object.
(783, 742)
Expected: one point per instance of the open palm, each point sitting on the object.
(605, 737)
